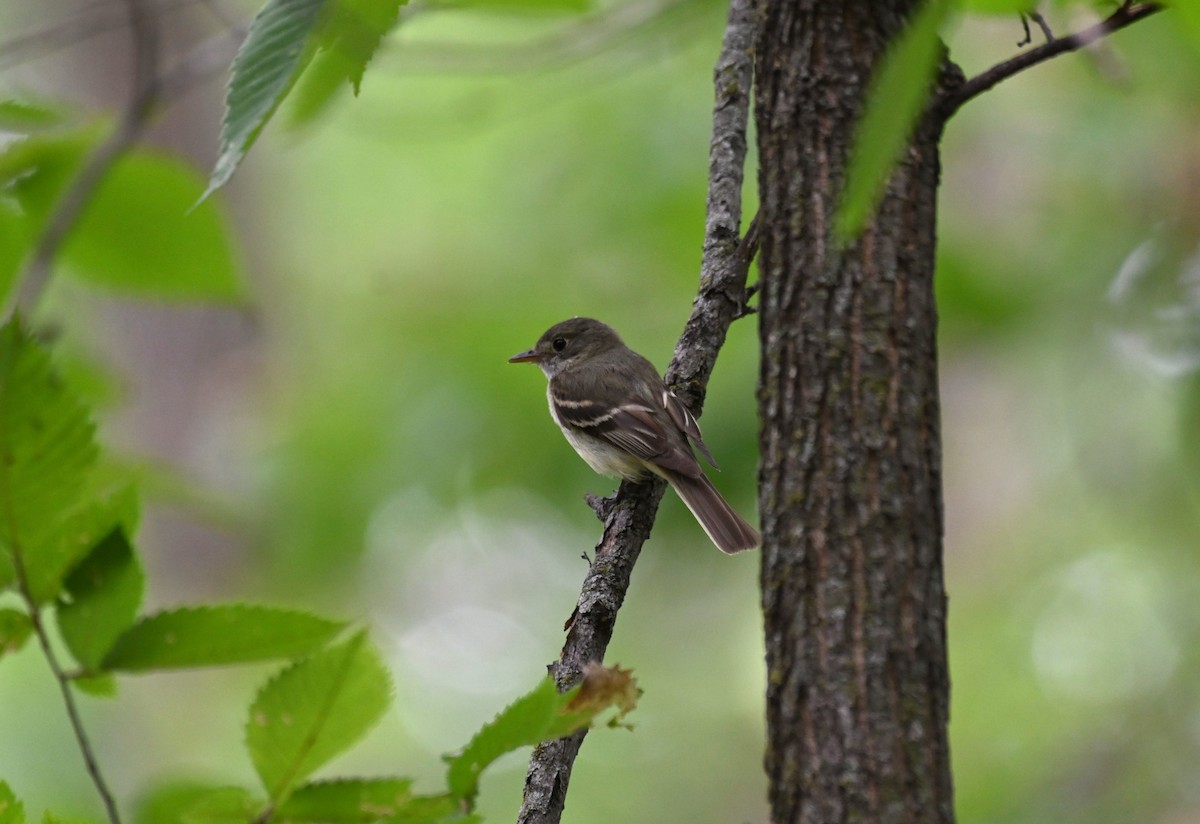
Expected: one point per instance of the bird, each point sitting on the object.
(621, 418)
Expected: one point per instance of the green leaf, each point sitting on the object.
(348, 801)
(896, 100)
(228, 805)
(33, 174)
(23, 115)
(213, 805)
(527, 721)
(218, 635)
(166, 803)
(108, 501)
(103, 595)
(314, 710)
(34, 171)
(194, 802)
(268, 63)
(11, 811)
(15, 243)
(97, 686)
(188, 256)
(348, 38)
(53, 818)
(15, 629)
(540, 715)
(47, 452)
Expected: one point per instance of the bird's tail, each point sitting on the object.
(727, 529)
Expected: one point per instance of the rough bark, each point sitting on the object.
(850, 475)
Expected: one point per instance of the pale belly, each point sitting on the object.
(605, 458)
(600, 455)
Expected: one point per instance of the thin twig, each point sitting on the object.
(629, 516)
(61, 676)
(144, 33)
(1128, 14)
(202, 62)
(1037, 18)
(90, 21)
(64, 686)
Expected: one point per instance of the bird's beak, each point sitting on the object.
(528, 356)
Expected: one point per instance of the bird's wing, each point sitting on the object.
(636, 426)
(686, 421)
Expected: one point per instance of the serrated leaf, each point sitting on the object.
(603, 687)
(194, 802)
(109, 501)
(895, 102)
(11, 811)
(314, 710)
(103, 596)
(272, 56)
(226, 805)
(540, 715)
(348, 39)
(47, 453)
(348, 801)
(218, 635)
(15, 629)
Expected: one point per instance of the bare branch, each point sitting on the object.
(629, 515)
(1128, 14)
(151, 88)
(64, 686)
(90, 21)
(63, 678)
(144, 33)
(1037, 18)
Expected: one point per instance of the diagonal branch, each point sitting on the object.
(150, 90)
(1129, 13)
(629, 515)
(145, 36)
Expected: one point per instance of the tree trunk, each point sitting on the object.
(850, 479)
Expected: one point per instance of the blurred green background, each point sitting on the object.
(353, 439)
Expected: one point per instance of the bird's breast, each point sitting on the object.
(603, 457)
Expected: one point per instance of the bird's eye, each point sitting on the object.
(559, 344)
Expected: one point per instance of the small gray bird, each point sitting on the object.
(622, 419)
